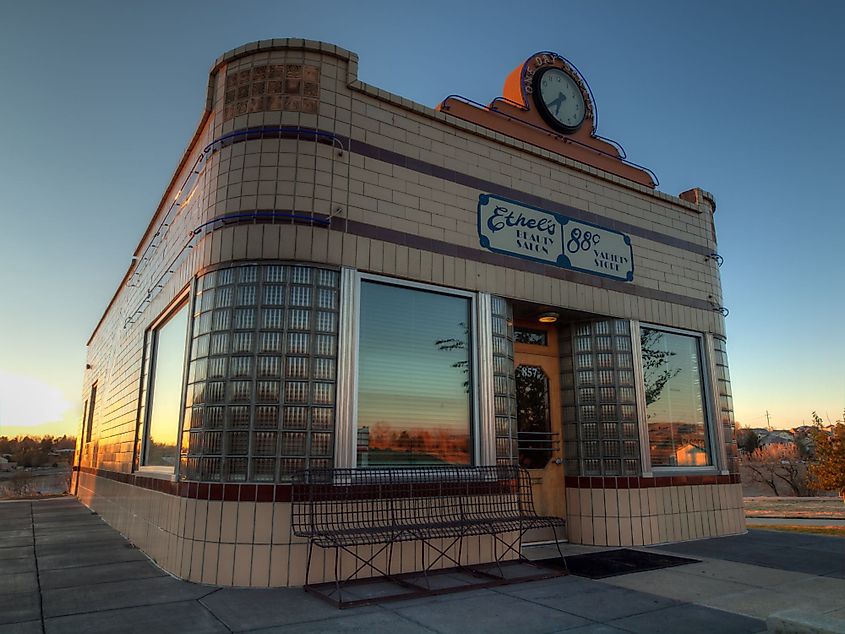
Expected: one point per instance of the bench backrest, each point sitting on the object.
(332, 500)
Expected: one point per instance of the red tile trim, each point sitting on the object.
(264, 492)
(213, 491)
(639, 482)
(249, 492)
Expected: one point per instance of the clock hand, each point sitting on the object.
(560, 99)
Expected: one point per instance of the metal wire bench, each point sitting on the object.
(347, 508)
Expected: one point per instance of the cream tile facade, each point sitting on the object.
(400, 183)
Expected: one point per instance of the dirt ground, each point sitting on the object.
(34, 484)
(819, 507)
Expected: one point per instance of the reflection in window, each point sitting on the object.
(529, 335)
(674, 399)
(90, 422)
(168, 370)
(414, 377)
(532, 417)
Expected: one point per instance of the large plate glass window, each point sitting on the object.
(415, 377)
(675, 403)
(162, 435)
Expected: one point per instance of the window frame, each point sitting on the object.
(346, 446)
(713, 448)
(89, 416)
(182, 301)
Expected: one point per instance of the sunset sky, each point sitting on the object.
(743, 99)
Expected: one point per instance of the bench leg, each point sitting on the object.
(513, 546)
(390, 559)
(441, 553)
(308, 562)
(337, 575)
(559, 551)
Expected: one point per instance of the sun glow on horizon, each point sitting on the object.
(29, 405)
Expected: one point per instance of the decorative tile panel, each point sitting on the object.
(285, 87)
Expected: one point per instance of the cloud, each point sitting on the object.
(27, 401)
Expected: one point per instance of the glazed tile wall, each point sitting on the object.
(235, 543)
(304, 175)
(654, 515)
(385, 194)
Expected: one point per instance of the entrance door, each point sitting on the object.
(536, 357)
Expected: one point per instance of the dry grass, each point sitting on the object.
(834, 531)
(808, 508)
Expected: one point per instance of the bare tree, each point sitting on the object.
(779, 463)
(656, 369)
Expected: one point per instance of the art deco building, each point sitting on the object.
(337, 276)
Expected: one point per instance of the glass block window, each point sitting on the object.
(504, 383)
(726, 409)
(262, 374)
(601, 436)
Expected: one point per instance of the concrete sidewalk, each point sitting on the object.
(64, 570)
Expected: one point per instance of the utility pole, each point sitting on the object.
(768, 422)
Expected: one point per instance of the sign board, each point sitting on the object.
(506, 226)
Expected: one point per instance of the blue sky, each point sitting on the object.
(743, 99)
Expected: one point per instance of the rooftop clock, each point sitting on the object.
(558, 99)
(547, 103)
(558, 92)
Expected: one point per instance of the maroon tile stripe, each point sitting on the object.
(213, 491)
(639, 482)
(248, 492)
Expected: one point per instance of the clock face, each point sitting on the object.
(559, 99)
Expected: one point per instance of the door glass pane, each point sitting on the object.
(529, 335)
(414, 377)
(532, 417)
(168, 368)
(674, 399)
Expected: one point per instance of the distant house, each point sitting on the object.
(6, 464)
(767, 437)
(777, 437)
(691, 455)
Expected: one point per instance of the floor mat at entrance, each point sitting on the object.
(611, 563)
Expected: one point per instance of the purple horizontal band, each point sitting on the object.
(491, 187)
(414, 241)
(529, 266)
